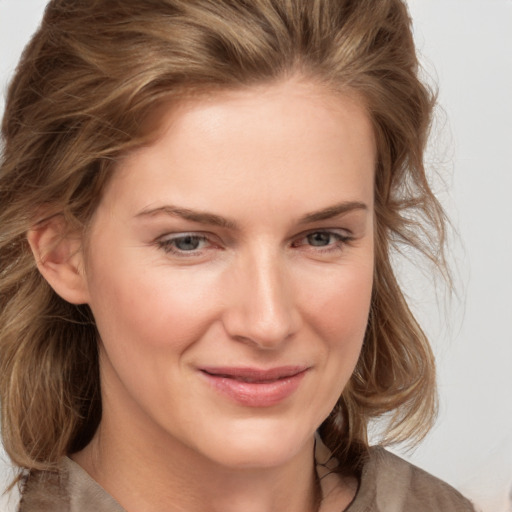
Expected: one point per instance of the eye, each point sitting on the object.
(321, 238)
(323, 241)
(184, 244)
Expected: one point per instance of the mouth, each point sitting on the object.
(255, 387)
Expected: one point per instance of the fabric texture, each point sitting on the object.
(388, 484)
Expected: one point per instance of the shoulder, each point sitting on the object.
(45, 491)
(390, 484)
(70, 489)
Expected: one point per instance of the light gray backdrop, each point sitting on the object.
(466, 45)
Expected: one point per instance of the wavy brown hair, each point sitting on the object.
(77, 103)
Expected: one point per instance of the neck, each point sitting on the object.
(154, 473)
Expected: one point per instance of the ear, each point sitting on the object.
(59, 257)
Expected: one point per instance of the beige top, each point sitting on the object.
(388, 484)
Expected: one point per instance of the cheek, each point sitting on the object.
(338, 313)
(142, 306)
(340, 306)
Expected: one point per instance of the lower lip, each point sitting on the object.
(256, 394)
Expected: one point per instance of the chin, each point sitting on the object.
(260, 444)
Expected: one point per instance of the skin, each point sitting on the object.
(270, 285)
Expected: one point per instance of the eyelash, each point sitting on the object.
(168, 245)
(340, 240)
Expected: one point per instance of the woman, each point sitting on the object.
(199, 204)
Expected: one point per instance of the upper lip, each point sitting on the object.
(254, 374)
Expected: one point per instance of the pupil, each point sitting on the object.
(187, 243)
(319, 239)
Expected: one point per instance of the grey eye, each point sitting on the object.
(320, 239)
(187, 243)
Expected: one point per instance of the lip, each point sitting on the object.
(255, 387)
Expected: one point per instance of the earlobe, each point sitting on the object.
(59, 258)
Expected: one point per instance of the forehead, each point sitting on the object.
(289, 137)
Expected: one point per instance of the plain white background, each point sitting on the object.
(466, 46)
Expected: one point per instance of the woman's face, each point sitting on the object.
(229, 271)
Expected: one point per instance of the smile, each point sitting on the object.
(253, 387)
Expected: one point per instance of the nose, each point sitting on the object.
(262, 309)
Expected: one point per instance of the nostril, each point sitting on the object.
(248, 327)
(262, 310)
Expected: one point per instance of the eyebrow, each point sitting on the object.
(223, 222)
(333, 211)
